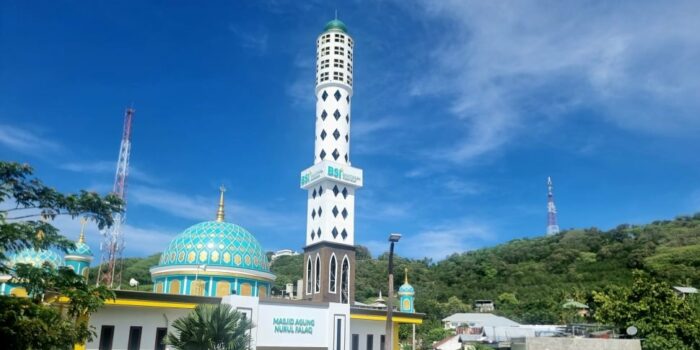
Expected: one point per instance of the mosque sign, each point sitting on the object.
(293, 325)
(333, 171)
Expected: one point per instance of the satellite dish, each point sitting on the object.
(631, 330)
(133, 282)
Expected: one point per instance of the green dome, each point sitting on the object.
(80, 249)
(337, 25)
(406, 289)
(216, 243)
(36, 258)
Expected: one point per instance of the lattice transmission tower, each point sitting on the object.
(112, 243)
(552, 226)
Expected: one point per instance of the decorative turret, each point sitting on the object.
(80, 257)
(406, 295)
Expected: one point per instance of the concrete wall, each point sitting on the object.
(123, 317)
(545, 343)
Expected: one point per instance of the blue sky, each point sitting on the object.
(461, 110)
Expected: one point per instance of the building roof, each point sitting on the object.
(480, 319)
(335, 24)
(36, 258)
(686, 290)
(216, 243)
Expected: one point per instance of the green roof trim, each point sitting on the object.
(336, 24)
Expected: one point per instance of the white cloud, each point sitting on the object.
(508, 68)
(256, 41)
(200, 208)
(26, 141)
(438, 242)
(109, 167)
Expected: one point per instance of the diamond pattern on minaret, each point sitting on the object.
(322, 154)
(336, 134)
(336, 114)
(335, 232)
(335, 211)
(324, 115)
(344, 234)
(323, 135)
(324, 96)
(345, 213)
(345, 192)
(336, 154)
(335, 190)
(313, 213)
(337, 95)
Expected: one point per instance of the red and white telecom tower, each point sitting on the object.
(112, 243)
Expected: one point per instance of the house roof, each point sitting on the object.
(480, 319)
(686, 290)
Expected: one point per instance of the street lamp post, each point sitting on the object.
(389, 336)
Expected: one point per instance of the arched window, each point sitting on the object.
(317, 279)
(331, 274)
(309, 275)
(344, 281)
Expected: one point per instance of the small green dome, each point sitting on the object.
(216, 243)
(81, 248)
(36, 258)
(335, 24)
(406, 289)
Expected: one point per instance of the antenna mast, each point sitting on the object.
(113, 240)
(552, 227)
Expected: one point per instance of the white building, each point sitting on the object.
(220, 262)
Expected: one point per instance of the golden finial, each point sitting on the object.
(405, 275)
(220, 212)
(83, 222)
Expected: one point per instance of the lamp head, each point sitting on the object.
(394, 237)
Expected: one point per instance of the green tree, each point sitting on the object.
(211, 327)
(59, 301)
(29, 199)
(663, 319)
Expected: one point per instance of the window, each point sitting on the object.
(338, 63)
(106, 337)
(317, 279)
(160, 335)
(349, 68)
(308, 276)
(370, 341)
(134, 338)
(331, 276)
(339, 50)
(355, 342)
(344, 277)
(338, 333)
(338, 76)
(382, 342)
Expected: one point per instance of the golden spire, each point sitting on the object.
(83, 222)
(405, 275)
(220, 212)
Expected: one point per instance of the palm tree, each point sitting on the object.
(211, 327)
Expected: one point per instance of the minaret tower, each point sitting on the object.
(552, 227)
(329, 253)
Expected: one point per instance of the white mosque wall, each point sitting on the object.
(367, 331)
(123, 318)
(295, 324)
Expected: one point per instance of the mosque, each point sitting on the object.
(216, 261)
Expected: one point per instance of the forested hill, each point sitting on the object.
(528, 279)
